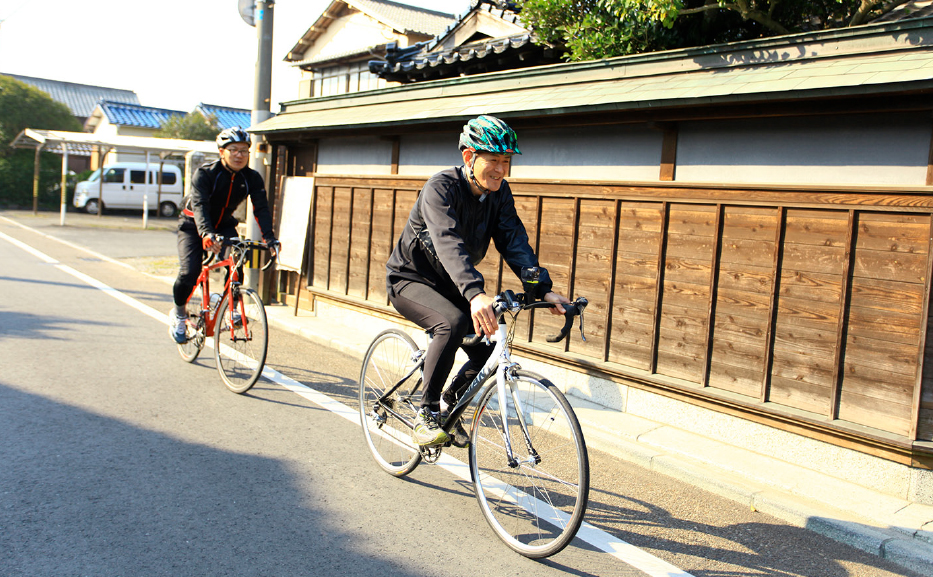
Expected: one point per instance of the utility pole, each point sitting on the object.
(262, 19)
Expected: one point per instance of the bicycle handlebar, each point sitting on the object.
(508, 300)
(571, 310)
(247, 244)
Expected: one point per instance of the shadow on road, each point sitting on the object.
(83, 494)
(760, 547)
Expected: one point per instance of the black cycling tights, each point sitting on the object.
(189, 259)
(449, 321)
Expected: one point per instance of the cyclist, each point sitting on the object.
(431, 275)
(217, 189)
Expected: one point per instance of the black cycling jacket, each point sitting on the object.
(216, 192)
(448, 234)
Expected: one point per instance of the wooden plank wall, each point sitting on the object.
(802, 305)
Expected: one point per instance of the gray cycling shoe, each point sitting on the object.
(178, 327)
(427, 431)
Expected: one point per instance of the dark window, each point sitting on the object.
(114, 175)
(138, 176)
(167, 177)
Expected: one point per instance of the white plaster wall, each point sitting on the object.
(105, 128)
(590, 153)
(130, 156)
(620, 152)
(358, 156)
(851, 150)
(427, 154)
(352, 32)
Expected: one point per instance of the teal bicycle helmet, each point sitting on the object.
(489, 134)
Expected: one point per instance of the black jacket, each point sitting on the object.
(448, 234)
(216, 193)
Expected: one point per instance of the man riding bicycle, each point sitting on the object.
(431, 275)
(217, 189)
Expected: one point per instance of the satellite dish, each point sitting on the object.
(247, 10)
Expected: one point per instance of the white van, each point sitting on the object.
(125, 184)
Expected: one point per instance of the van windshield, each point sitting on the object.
(94, 176)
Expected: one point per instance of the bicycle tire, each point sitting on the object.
(535, 508)
(191, 348)
(388, 359)
(240, 359)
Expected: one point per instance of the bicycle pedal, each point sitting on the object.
(431, 454)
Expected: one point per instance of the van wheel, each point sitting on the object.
(90, 206)
(167, 209)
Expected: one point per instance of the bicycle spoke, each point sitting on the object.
(241, 340)
(536, 505)
(388, 437)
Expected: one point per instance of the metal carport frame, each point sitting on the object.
(84, 144)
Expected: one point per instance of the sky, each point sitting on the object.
(173, 53)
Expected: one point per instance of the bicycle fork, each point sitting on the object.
(503, 382)
(237, 307)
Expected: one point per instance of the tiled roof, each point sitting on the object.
(81, 99)
(912, 9)
(403, 17)
(502, 9)
(226, 116)
(135, 115)
(358, 51)
(425, 60)
(406, 66)
(864, 60)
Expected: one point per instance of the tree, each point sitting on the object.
(592, 29)
(23, 106)
(193, 126)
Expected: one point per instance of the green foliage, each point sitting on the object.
(593, 29)
(192, 126)
(22, 106)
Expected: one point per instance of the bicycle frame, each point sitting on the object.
(233, 261)
(500, 361)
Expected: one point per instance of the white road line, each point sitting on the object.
(67, 243)
(621, 550)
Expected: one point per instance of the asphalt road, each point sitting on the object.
(120, 459)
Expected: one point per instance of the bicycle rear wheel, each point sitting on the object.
(240, 352)
(191, 348)
(390, 357)
(536, 504)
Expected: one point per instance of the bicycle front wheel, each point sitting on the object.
(241, 339)
(390, 357)
(536, 502)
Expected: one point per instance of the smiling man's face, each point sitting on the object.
(489, 169)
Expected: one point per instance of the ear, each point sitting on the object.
(467, 155)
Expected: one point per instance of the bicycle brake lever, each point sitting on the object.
(582, 336)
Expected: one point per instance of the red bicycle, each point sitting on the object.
(236, 318)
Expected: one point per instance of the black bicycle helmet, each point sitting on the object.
(231, 135)
(489, 134)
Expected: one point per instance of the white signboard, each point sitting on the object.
(297, 194)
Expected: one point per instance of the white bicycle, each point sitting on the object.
(528, 459)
